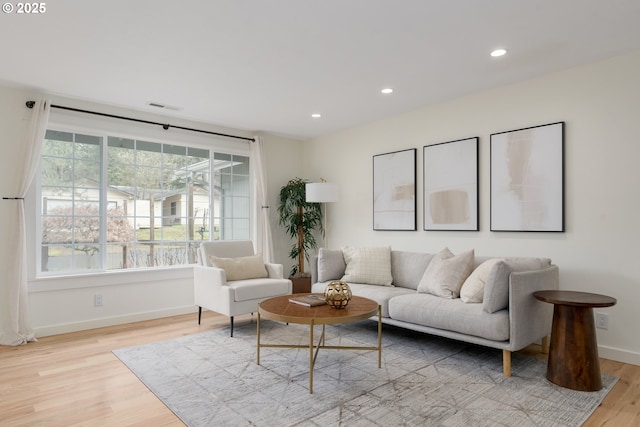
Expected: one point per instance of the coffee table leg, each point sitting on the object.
(379, 336)
(311, 358)
(258, 347)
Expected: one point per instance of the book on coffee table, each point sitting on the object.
(308, 300)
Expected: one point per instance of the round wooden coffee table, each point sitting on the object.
(281, 309)
(573, 352)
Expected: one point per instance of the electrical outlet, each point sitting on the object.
(602, 321)
(98, 301)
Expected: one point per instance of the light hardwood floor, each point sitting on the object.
(75, 380)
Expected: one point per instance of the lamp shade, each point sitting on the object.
(321, 192)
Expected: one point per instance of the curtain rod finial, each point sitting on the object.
(30, 104)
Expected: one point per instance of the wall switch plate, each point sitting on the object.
(98, 301)
(602, 321)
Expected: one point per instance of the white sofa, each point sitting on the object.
(508, 318)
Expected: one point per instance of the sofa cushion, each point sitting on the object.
(331, 264)
(472, 290)
(496, 291)
(451, 315)
(240, 268)
(446, 273)
(380, 294)
(407, 268)
(371, 265)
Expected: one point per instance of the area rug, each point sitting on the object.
(210, 379)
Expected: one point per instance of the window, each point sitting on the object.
(232, 186)
(109, 203)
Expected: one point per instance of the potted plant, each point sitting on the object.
(299, 218)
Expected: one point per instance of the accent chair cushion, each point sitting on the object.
(241, 268)
(446, 273)
(258, 289)
(370, 265)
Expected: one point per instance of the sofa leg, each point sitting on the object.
(506, 363)
(231, 326)
(199, 314)
(545, 344)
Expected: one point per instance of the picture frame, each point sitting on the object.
(527, 179)
(451, 185)
(394, 191)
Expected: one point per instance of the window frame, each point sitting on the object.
(82, 124)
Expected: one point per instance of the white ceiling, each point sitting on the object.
(267, 65)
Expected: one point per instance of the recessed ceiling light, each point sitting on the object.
(387, 90)
(498, 52)
(316, 115)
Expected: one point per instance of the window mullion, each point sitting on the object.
(212, 192)
(103, 202)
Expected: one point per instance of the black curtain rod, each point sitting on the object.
(165, 126)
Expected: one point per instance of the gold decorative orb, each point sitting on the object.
(338, 294)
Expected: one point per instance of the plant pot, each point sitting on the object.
(301, 284)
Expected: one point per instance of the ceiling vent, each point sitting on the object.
(163, 106)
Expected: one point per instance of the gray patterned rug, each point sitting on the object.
(210, 379)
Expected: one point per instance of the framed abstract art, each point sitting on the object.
(394, 191)
(527, 179)
(451, 185)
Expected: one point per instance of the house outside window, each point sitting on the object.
(112, 203)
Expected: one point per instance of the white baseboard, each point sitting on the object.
(64, 328)
(619, 355)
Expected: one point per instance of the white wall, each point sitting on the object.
(128, 296)
(598, 252)
(284, 162)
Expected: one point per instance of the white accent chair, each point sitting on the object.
(231, 298)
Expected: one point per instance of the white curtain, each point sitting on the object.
(18, 329)
(264, 241)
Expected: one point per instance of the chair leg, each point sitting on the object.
(199, 314)
(231, 326)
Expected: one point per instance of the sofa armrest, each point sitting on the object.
(275, 271)
(530, 319)
(210, 289)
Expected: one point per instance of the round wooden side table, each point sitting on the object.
(573, 352)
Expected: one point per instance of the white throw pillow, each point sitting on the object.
(241, 268)
(331, 264)
(368, 265)
(446, 273)
(472, 290)
(496, 291)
